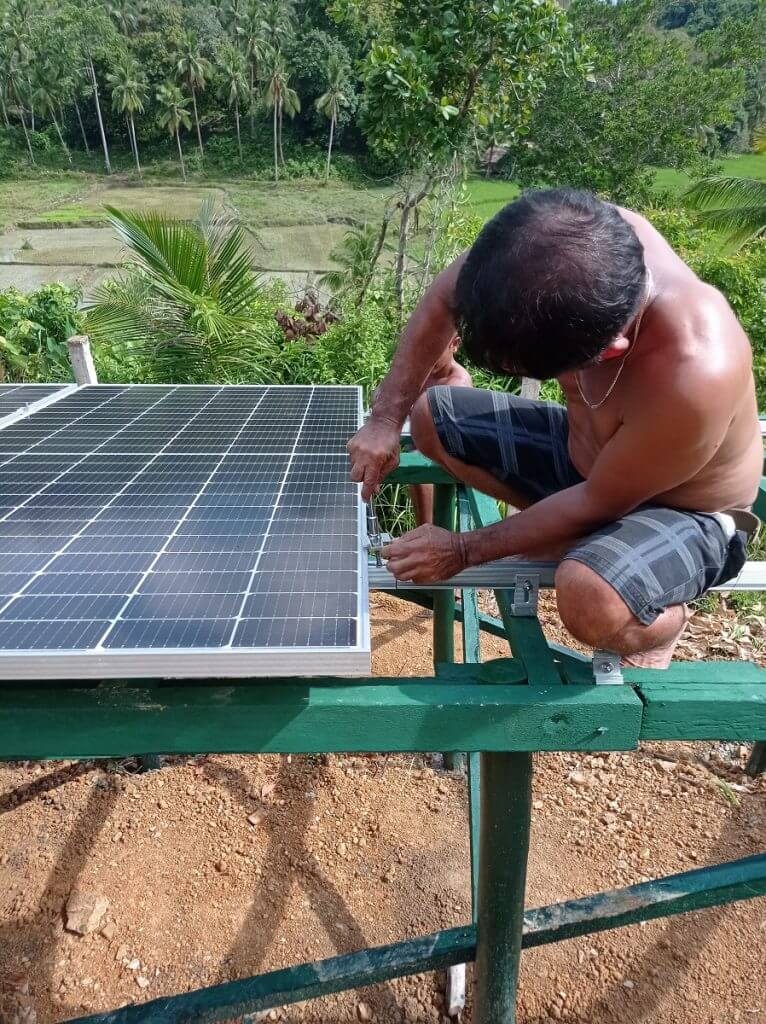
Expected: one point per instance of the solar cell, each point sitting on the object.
(22, 399)
(182, 531)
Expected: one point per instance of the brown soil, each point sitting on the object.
(220, 867)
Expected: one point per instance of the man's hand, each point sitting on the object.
(426, 555)
(374, 452)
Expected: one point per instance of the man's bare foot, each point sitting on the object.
(658, 657)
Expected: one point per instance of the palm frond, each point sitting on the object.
(734, 206)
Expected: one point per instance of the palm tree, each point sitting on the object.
(193, 69)
(187, 300)
(128, 94)
(331, 101)
(125, 14)
(278, 19)
(280, 98)
(256, 48)
(44, 96)
(174, 115)
(734, 206)
(354, 256)
(235, 88)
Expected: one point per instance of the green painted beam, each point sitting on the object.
(664, 897)
(524, 633)
(311, 716)
(415, 468)
(294, 984)
(696, 711)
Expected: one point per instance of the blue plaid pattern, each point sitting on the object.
(654, 557)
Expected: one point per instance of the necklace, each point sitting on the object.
(636, 329)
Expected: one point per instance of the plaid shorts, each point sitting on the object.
(654, 557)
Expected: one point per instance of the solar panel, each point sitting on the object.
(21, 399)
(182, 531)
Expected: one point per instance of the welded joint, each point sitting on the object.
(606, 669)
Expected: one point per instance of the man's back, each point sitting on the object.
(689, 344)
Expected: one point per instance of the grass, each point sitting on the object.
(746, 165)
(24, 199)
(295, 202)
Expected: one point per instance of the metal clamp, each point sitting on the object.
(526, 591)
(606, 669)
(374, 536)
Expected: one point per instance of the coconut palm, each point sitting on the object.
(251, 33)
(278, 22)
(235, 89)
(44, 96)
(19, 96)
(128, 94)
(331, 101)
(126, 15)
(280, 99)
(186, 302)
(194, 69)
(734, 206)
(174, 115)
(353, 256)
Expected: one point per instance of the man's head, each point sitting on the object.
(552, 282)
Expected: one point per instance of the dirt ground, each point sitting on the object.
(219, 867)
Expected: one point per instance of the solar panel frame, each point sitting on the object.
(20, 400)
(202, 660)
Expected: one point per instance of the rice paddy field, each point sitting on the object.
(55, 228)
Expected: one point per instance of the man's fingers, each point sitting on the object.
(357, 472)
(371, 482)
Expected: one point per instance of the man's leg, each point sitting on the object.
(422, 496)
(426, 440)
(596, 615)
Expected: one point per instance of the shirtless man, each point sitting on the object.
(638, 483)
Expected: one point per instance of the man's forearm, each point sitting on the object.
(555, 521)
(424, 340)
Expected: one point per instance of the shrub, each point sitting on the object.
(33, 332)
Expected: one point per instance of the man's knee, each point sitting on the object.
(589, 607)
(422, 429)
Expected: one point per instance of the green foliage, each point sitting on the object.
(741, 277)
(186, 304)
(645, 104)
(444, 72)
(33, 332)
(734, 206)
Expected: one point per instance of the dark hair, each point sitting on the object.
(551, 280)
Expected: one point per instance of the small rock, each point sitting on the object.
(538, 805)
(578, 778)
(363, 1011)
(85, 912)
(142, 982)
(255, 819)
(628, 984)
(122, 953)
(133, 965)
(342, 849)
(109, 930)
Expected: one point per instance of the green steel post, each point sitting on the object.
(444, 600)
(506, 808)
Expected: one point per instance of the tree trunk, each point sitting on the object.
(26, 134)
(329, 149)
(239, 136)
(181, 155)
(61, 137)
(401, 256)
(380, 242)
(276, 150)
(4, 109)
(135, 145)
(94, 83)
(82, 126)
(196, 120)
(281, 154)
(252, 99)
(488, 168)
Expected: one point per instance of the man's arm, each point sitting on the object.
(374, 449)
(660, 446)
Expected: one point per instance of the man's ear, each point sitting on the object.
(615, 349)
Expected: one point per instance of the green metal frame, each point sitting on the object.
(499, 712)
